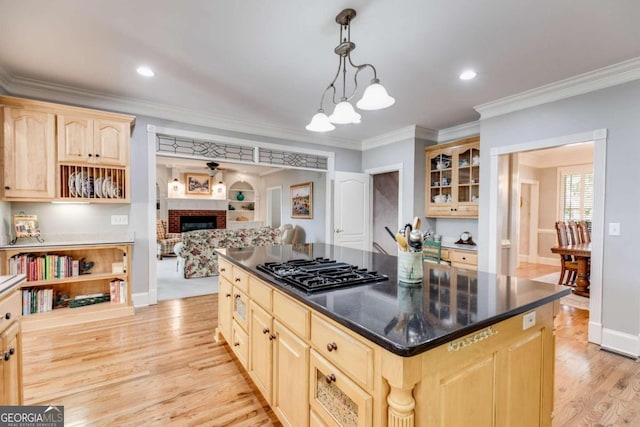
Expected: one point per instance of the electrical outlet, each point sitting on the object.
(528, 320)
(119, 219)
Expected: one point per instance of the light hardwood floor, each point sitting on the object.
(162, 367)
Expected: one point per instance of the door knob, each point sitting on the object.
(338, 231)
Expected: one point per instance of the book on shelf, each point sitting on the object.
(36, 300)
(118, 291)
(43, 266)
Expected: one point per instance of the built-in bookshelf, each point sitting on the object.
(70, 284)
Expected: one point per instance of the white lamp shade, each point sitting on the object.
(375, 97)
(219, 191)
(175, 188)
(320, 123)
(344, 114)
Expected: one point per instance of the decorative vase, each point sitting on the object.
(240, 196)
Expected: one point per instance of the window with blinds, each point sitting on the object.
(576, 194)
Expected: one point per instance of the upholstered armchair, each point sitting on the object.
(166, 241)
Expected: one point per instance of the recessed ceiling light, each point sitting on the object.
(143, 70)
(468, 75)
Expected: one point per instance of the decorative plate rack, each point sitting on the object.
(108, 184)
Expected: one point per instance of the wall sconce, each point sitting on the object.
(219, 191)
(175, 188)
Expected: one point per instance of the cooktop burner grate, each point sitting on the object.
(320, 274)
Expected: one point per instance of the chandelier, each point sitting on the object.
(375, 96)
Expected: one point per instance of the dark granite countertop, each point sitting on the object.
(405, 319)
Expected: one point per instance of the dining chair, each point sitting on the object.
(574, 234)
(585, 234)
(568, 266)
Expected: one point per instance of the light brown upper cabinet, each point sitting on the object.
(453, 179)
(28, 145)
(58, 152)
(82, 139)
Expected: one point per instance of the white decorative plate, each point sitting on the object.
(97, 186)
(106, 184)
(79, 179)
(72, 184)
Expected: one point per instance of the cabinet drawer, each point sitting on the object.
(343, 350)
(260, 292)
(10, 306)
(241, 308)
(225, 269)
(464, 257)
(334, 398)
(293, 315)
(240, 279)
(240, 343)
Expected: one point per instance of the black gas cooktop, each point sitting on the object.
(320, 274)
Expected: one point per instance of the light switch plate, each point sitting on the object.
(614, 229)
(119, 219)
(528, 320)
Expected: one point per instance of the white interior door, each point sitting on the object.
(351, 216)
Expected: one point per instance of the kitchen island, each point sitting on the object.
(461, 348)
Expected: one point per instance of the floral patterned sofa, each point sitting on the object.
(197, 249)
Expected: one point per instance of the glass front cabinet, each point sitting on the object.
(453, 179)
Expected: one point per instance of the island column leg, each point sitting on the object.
(402, 374)
(401, 405)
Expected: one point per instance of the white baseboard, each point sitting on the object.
(620, 342)
(594, 331)
(140, 299)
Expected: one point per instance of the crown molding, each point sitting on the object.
(5, 79)
(21, 86)
(602, 78)
(464, 130)
(407, 132)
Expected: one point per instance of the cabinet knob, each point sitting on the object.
(6, 187)
(272, 337)
(265, 331)
(237, 279)
(332, 346)
(90, 155)
(330, 378)
(237, 296)
(7, 356)
(7, 315)
(12, 351)
(236, 344)
(228, 295)
(97, 155)
(223, 269)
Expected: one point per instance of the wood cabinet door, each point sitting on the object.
(29, 154)
(261, 338)
(111, 142)
(240, 343)
(291, 376)
(241, 308)
(335, 398)
(225, 304)
(11, 366)
(75, 138)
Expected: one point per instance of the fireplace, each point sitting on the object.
(199, 222)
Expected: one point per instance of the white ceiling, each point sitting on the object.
(566, 155)
(267, 62)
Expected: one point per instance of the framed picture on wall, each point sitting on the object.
(198, 184)
(302, 200)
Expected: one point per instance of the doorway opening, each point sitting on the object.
(274, 206)
(385, 203)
